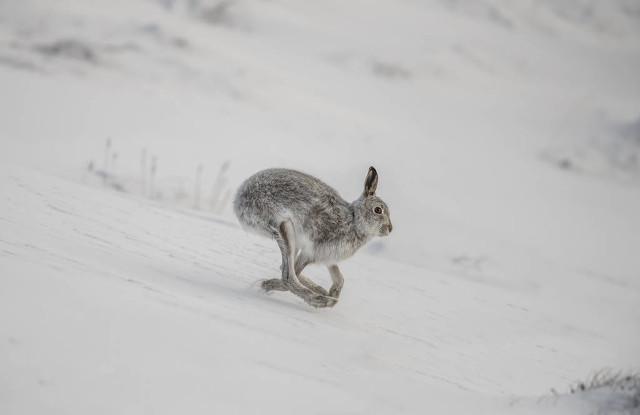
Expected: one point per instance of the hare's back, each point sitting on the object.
(272, 195)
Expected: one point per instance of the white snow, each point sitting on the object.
(505, 135)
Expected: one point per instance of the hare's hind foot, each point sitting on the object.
(274, 284)
(312, 285)
(315, 299)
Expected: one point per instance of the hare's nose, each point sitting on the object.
(390, 227)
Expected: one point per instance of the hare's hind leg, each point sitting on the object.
(277, 284)
(338, 281)
(286, 241)
(302, 261)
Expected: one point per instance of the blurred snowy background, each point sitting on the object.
(506, 135)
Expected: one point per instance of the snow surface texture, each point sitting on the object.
(506, 138)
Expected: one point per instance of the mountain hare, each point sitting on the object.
(311, 224)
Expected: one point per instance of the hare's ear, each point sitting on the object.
(371, 182)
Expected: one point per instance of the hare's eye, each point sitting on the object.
(378, 210)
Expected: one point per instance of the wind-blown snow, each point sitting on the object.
(505, 138)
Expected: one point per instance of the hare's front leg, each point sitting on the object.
(286, 241)
(338, 281)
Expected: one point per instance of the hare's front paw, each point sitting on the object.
(321, 301)
(335, 292)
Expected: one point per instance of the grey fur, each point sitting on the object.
(311, 224)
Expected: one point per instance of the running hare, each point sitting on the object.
(311, 223)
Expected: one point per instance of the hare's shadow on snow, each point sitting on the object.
(252, 292)
(207, 283)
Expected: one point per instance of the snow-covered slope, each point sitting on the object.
(506, 137)
(116, 305)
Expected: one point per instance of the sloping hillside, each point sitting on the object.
(506, 138)
(113, 304)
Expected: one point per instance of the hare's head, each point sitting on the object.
(371, 213)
